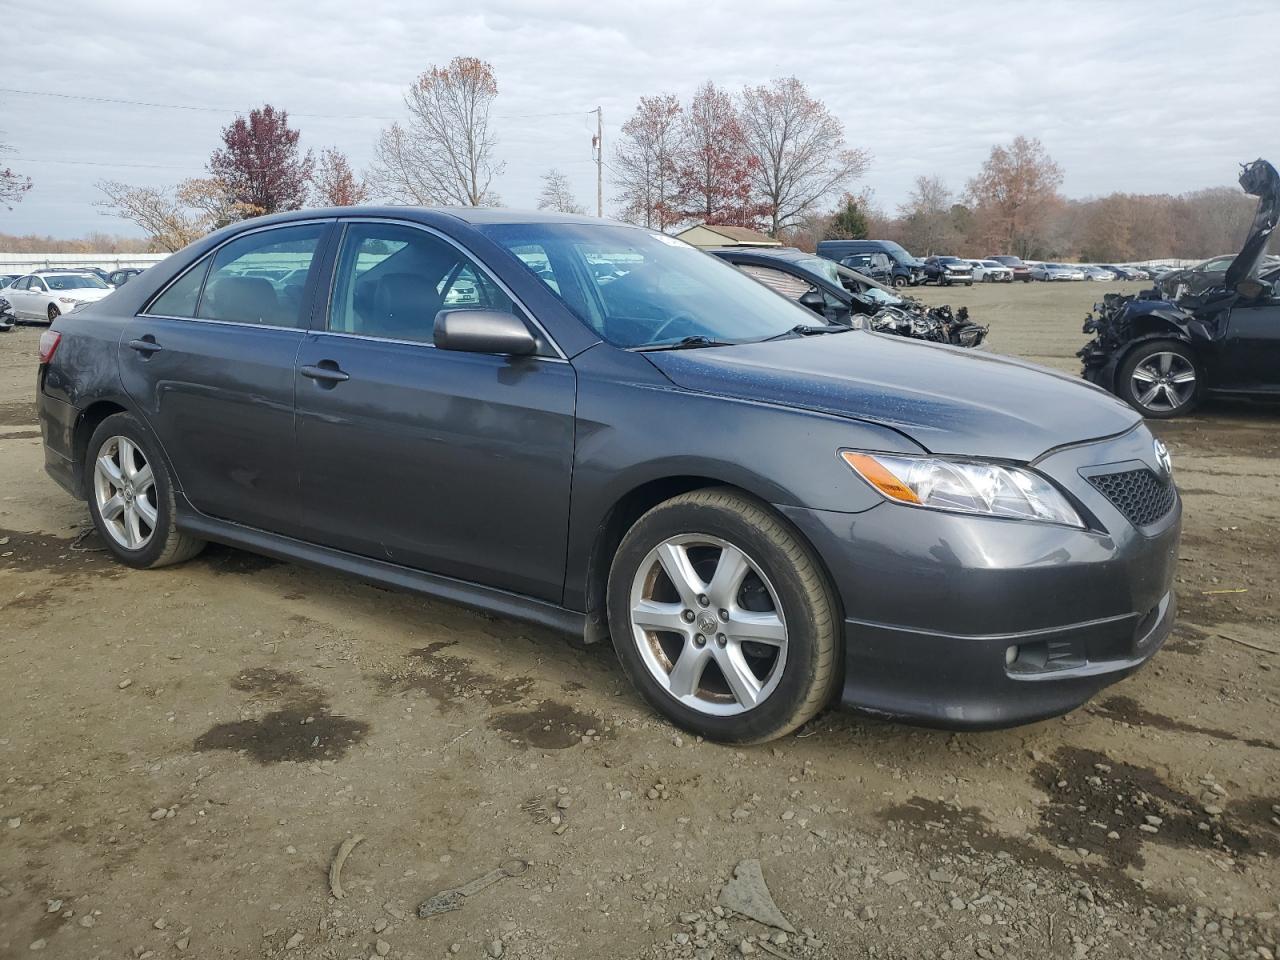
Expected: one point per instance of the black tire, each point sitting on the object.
(54, 313)
(813, 667)
(166, 544)
(968, 283)
(899, 281)
(1160, 408)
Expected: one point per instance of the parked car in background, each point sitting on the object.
(770, 549)
(843, 296)
(46, 294)
(946, 270)
(1195, 280)
(1021, 271)
(118, 278)
(1121, 272)
(1092, 272)
(1163, 352)
(6, 314)
(991, 271)
(8, 278)
(1056, 271)
(881, 260)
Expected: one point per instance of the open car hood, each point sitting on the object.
(1259, 179)
(948, 400)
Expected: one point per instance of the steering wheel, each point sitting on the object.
(678, 315)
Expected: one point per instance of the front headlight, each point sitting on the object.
(964, 486)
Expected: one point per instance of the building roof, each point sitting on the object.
(737, 235)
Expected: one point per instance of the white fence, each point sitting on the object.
(27, 262)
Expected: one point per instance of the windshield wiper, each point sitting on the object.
(809, 330)
(688, 343)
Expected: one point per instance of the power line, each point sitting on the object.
(103, 163)
(207, 109)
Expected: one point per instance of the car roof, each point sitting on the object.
(470, 215)
(766, 253)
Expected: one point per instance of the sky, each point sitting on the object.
(1126, 96)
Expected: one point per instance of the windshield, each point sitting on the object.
(75, 281)
(897, 251)
(636, 288)
(822, 267)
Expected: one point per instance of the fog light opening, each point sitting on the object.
(1010, 655)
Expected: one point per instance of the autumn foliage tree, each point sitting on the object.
(800, 155)
(1014, 195)
(334, 183)
(647, 162)
(260, 164)
(715, 165)
(444, 152)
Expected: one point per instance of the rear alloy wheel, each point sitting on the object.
(723, 619)
(1160, 379)
(899, 281)
(131, 497)
(54, 313)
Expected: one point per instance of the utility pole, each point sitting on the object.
(599, 145)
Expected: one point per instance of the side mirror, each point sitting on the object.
(812, 298)
(483, 331)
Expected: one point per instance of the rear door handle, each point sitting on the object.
(325, 371)
(145, 346)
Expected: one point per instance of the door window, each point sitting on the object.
(392, 280)
(783, 283)
(261, 278)
(181, 297)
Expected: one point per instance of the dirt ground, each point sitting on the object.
(183, 751)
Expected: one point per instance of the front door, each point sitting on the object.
(453, 463)
(210, 362)
(1250, 355)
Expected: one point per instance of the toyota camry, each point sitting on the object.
(597, 428)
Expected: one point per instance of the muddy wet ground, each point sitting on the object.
(183, 751)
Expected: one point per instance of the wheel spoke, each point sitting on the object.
(142, 506)
(743, 683)
(731, 569)
(1144, 375)
(112, 509)
(766, 627)
(143, 479)
(108, 469)
(127, 465)
(653, 615)
(686, 676)
(1187, 376)
(132, 533)
(675, 562)
(1149, 394)
(1166, 362)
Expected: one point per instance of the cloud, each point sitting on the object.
(1124, 100)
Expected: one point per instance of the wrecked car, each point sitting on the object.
(1164, 355)
(843, 296)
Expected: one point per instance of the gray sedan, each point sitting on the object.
(597, 428)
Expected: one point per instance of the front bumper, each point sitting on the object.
(934, 601)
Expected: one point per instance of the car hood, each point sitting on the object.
(948, 400)
(1259, 179)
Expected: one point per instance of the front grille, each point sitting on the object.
(1139, 494)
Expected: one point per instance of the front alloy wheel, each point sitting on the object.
(723, 618)
(707, 624)
(1160, 379)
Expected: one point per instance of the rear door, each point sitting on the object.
(454, 463)
(210, 362)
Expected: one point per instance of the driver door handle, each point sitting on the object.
(326, 371)
(145, 345)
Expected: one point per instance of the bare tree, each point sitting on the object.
(444, 153)
(557, 194)
(1014, 195)
(174, 218)
(801, 158)
(335, 183)
(926, 216)
(647, 162)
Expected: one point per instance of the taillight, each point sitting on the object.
(49, 341)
